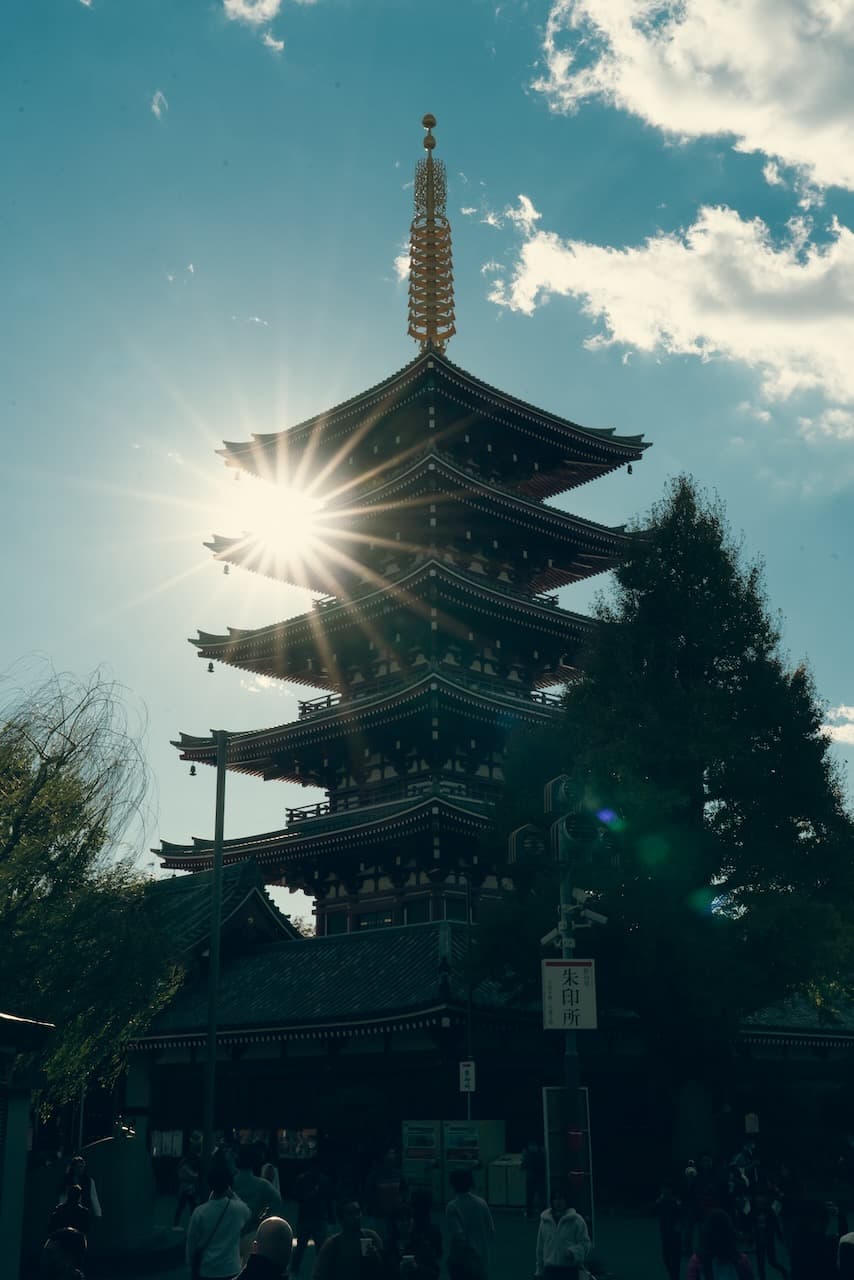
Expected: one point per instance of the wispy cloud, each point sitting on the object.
(87, 4)
(159, 105)
(265, 684)
(722, 288)
(468, 211)
(271, 42)
(256, 320)
(840, 726)
(773, 75)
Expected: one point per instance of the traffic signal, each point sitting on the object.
(526, 846)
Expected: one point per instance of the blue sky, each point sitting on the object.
(201, 212)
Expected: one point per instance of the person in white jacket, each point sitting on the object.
(563, 1242)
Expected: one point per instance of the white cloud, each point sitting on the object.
(265, 684)
(834, 422)
(842, 730)
(721, 288)
(771, 174)
(526, 216)
(191, 268)
(774, 75)
(159, 103)
(490, 267)
(87, 4)
(468, 211)
(401, 262)
(271, 42)
(492, 219)
(255, 12)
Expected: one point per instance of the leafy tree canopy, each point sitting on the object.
(725, 863)
(79, 942)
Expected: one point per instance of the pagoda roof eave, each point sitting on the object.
(251, 751)
(245, 454)
(534, 511)
(293, 843)
(207, 643)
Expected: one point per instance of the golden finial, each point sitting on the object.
(431, 279)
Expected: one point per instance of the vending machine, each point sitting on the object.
(473, 1145)
(421, 1155)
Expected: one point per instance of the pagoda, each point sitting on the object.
(438, 630)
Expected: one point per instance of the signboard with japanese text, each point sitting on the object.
(569, 995)
(467, 1077)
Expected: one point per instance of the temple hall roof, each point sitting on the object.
(369, 979)
(184, 904)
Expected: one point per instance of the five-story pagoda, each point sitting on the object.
(436, 635)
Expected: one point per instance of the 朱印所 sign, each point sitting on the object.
(569, 995)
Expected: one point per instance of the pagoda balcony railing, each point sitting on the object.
(399, 789)
(311, 706)
(549, 601)
(547, 699)
(488, 685)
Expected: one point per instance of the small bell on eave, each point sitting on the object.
(210, 668)
(192, 771)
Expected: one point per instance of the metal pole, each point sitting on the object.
(80, 1117)
(572, 1075)
(213, 973)
(469, 990)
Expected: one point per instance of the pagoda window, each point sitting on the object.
(455, 908)
(335, 922)
(417, 911)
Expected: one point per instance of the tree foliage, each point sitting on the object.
(79, 944)
(725, 865)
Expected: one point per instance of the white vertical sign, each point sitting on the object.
(467, 1077)
(569, 995)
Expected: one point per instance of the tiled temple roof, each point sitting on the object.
(377, 977)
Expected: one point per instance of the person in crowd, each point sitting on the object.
(470, 1230)
(767, 1233)
(353, 1253)
(270, 1174)
(213, 1236)
(814, 1245)
(271, 1251)
(71, 1213)
(718, 1256)
(563, 1241)
(387, 1189)
(313, 1194)
(426, 1236)
(534, 1165)
(413, 1248)
(63, 1255)
(845, 1256)
(189, 1173)
(670, 1214)
(255, 1192)
(76, 1175)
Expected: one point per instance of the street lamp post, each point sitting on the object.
(221, 737)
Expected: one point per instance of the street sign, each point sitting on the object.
(467, 1077)
(569, 995)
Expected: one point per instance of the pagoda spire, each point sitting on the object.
(431, 278)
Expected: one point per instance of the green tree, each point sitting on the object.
(725, 866)
(79, 943)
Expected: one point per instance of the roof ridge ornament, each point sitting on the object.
(431, 278)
